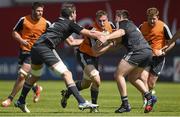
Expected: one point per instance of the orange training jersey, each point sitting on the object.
(86, 45)
(30, 30)
(157, 35)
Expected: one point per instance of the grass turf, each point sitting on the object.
(49, 105)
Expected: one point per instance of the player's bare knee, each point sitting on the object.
(66, 74)
(94, 74)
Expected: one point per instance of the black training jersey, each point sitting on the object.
(59, 31)
(133, 39)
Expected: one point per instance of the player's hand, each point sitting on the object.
(164, 48)
(24, 42)
(159, 52)
(100, 36)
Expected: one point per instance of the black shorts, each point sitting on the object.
(24, 57)
(42, 53)
(157, 65)
(140, 58)
(85, 59)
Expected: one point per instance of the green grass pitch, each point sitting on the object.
(49, 105)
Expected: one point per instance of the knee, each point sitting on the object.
(66, 74)
(95, 77)
(97, 83)
(22, 74)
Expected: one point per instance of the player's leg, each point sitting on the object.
(92, 74)
(152, 82)
(61, 70)
(122, 70)
(89, 72)
(144, 75)
(36, 73)
(23, 73)
(143, 58)
(157, 67)
(139, 84)
(17, 86)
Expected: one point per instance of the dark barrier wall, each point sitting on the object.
(86, 12)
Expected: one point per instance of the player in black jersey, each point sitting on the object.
(43, 52)
(139, 55)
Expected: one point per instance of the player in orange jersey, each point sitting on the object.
(27, 30)
(157, 34)
(87, 55)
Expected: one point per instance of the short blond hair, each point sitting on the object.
(152, 11)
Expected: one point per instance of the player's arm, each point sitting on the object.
(103, 38)
(170, 42)
(110, 45)
(115, 35)
(73, 42)
(15, 33)
(99, 48)
(92, 34)
(80, 30)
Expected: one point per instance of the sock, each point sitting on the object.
(147, 95)
(34, 88)
(124, 100)
(79, 87)
(94, 95)
(11, 97)
(25, 91)
(73, 90)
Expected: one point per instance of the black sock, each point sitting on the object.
(25, 91)
(78, 85)
(124, 100)
(147, 95)
(94, 95)
(34, 88)
(11, 97)
(73, 90)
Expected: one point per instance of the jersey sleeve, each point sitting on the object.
(19, 25)
(112, 25)
(48, 23)
(140, 26)
(75, 28)
(167, 32)
(123, 25)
